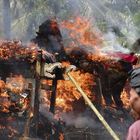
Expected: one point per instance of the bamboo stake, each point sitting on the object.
(112, 133)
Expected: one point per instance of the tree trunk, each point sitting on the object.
(6, 19)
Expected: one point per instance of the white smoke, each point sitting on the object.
(80, 121)
(112, 45)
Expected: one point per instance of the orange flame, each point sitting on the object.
(16, 84)
(61, 137)
(82, 33)
(15, 49)
(67, 93)
(125, 98)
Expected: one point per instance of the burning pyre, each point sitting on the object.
(15, 95)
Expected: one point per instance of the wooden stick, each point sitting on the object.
(53, 96)
(112, 133)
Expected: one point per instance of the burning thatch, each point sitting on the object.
(15, 50)
(96, 74)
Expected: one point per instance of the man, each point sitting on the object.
(134, 130)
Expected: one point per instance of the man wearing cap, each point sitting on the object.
(134, 130)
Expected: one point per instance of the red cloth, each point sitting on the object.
(127, 57)
(134, 131)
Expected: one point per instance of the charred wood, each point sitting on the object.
(53, 96)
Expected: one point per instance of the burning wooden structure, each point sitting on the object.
(46, 86)
(21, 71)
(25, 102)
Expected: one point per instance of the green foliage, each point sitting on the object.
(136, 19)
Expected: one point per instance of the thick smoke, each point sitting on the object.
(98, 12)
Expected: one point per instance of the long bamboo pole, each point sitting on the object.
(112, 133)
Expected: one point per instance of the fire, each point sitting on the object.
(125, 99)
(11, 94)
(2, 84)
(4, 102)
(61, 137)
(15, 49)
(67, 93)
(99, 58)
(82, 33)
(16, 84)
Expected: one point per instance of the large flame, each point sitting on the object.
(67, 93)
(81, 32)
